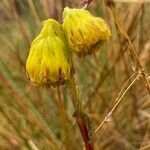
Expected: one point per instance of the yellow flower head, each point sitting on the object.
(85, 33)
(49, 60)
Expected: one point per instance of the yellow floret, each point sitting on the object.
(49, 60)
(85, 33)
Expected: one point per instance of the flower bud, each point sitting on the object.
(49, 60)
(85, 33)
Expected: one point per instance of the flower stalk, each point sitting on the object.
(82, 119)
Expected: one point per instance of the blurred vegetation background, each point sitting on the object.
(34, 118)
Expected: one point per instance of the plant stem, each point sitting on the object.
(128, 43)
(81, 122)
(120, 97)
(86, 3)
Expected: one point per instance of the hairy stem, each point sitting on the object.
(81, 122)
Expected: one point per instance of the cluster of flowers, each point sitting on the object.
(50, 58)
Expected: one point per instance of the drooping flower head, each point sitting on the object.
(49, 60)
(85, 33)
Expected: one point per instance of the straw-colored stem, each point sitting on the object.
(120, 97)
(128, 43)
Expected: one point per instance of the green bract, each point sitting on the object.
(49, 60)
(85, 33)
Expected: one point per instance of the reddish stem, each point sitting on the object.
(79, 119)
(85, 133)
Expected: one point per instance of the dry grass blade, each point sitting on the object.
(121, 94)
(129, 44)
(24, 99)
